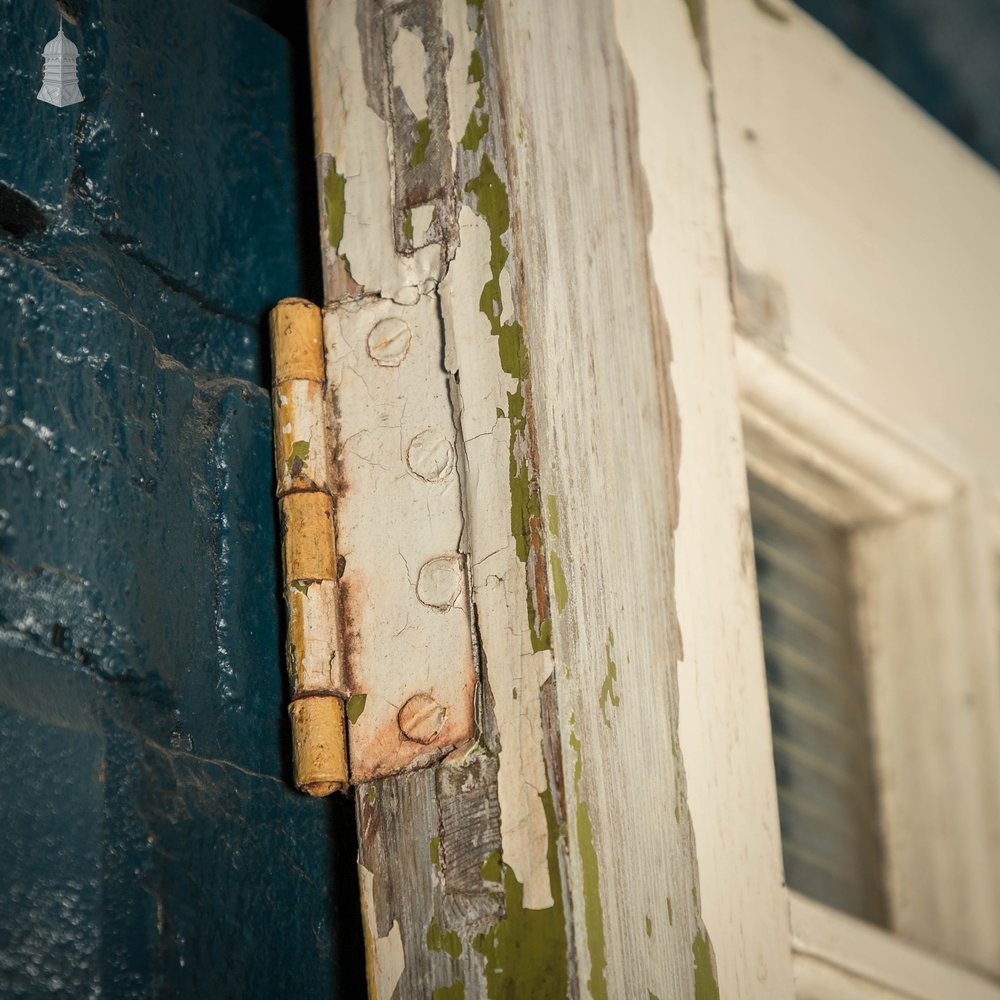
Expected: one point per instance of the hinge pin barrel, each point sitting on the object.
(301, 457)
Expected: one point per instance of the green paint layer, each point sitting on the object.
(592, 910)
(479, 121)
(335, 197)
(477, 73)
(476, 128)
(491, 869)
(298, 459)
(335, 191)
(526, 953)
(454, 992)
(608, 692)
(355, 706)
(525, 503)
(447, 941)
(705, 986)
(421, 140)
(559, 582)
(553, 524)
(302, 586)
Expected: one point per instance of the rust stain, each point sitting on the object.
(348, 639)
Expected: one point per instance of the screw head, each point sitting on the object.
(440, 582)
(421, 718)
(431, 456)
(389, 342)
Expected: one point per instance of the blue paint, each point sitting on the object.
(150, 842)
(180, 160)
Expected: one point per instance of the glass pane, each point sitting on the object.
(819, 719)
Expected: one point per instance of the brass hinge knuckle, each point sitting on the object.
(302, 454)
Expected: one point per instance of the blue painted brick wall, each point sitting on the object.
(150, 843)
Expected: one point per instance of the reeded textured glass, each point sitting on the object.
(819, 718)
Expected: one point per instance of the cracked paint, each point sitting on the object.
(486, 343)
(386, 960)
(492, 204)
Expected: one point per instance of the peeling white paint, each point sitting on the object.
(498, 578)
(353, 134)
(386, 952)
(461, 93)
(408, 62)
(423, 216)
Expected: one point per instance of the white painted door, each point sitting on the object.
(614, 267)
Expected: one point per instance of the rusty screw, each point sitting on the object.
(421, 718)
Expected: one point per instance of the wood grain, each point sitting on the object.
(603, 392)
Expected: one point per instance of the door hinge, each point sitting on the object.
(379, 644)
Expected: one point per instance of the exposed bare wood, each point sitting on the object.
(555, 256)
